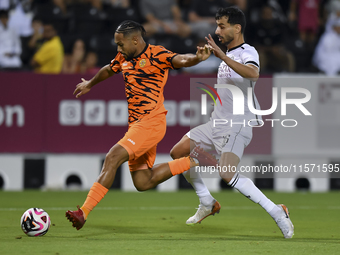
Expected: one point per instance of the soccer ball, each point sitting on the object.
(35, 222)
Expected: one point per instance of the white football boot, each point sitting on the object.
(204, 212)
(284, 223)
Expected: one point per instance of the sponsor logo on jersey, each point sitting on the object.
(131, 141)
(142, 62)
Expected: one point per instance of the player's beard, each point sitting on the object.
(128, 57)
(227, 40)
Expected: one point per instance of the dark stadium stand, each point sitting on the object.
(95, 25)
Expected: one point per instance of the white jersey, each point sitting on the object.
(244, 54)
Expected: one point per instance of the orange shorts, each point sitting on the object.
(141, 141)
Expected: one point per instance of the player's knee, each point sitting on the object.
(176, 152)
(109, 159)
(173, 153)
(226, 176)
(141, 188)
(146, 186)
(115, 157)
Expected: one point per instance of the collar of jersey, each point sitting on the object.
(147, 45)
(238, 46)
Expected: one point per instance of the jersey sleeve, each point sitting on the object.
(164, 57)
(116, 63)
(250, 56)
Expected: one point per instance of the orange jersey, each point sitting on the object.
(145, 77)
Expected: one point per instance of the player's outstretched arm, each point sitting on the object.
(85, 86)
(248, 71)
(187, 60)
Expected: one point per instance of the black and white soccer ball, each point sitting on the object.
(35, 222)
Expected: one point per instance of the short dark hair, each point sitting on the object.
(37, 18)
(129, 26)
(48, 22)
(4, 13)
(234, 14)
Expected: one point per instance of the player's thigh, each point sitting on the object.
(117, 155)
(141, 178)
(232, 139)
(145, 161)
(140, 169)
(203, 137)
(143, 136)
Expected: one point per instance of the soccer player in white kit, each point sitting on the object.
(239, 67)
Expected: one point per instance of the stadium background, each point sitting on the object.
(52, 145)
(51, 140)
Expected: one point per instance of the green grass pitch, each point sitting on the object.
(154, 223)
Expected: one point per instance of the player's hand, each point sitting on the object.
(214, 48)
(203, 52)
(82, 88)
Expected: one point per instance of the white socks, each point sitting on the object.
(201, 190)
(243, 184)
(248, 189)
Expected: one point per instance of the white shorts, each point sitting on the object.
(222, 139)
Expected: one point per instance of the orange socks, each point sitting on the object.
(180, 165)
(96, 193)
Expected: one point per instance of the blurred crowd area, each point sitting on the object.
(290, 35)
